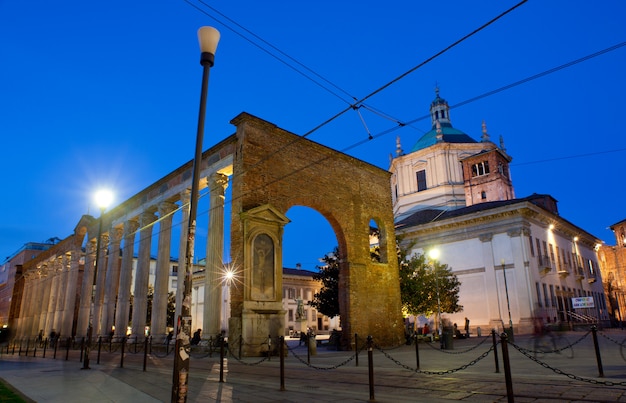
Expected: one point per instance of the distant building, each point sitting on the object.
(613, 268)
(515, 257)
(12, 280)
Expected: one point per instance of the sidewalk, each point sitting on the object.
(332, 376)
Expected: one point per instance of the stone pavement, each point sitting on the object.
(466, 373)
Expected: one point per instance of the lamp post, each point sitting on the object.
(208, 38)
(103, 200)
(508, 305)
(434, 254)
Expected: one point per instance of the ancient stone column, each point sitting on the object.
(111, 282)
(44, 307)
(62, 267)
(70, 291)
(140, 294)
(122, 310)
(215, 256)
(25, 320)
(84, 305)
(162, 274)
(185, 197)
(100, 277)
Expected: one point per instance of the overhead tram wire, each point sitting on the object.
(498, 90)
(273, 55)
(468, 101)
(351, 106)
(355, 105)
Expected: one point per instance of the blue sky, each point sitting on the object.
(106, 94)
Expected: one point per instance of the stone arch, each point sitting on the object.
(274, 170)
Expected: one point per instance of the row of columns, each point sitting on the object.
(51, 291)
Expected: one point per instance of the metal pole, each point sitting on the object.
(507, 368)
(281, 353)
(183, 329)
(91, 306)
(417, 352)
(594, 330)
(495, 350)
(508, 305)
(370, 365)
(356, 349)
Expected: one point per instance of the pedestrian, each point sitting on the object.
(466, 327)
(195, 340)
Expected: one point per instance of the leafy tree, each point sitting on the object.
(326, 301)
(421, 282)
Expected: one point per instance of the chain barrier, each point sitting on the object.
(622, 345)
(251, 364)
(528, 354)
(446, 372)
(485, 339)
(352, 357)
(552, 339)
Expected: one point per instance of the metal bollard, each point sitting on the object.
(370, 365)
(507, 367)
(594, 331)
(269, 347)
(356, 349)
(281, 353)
(67, 348)
(495, 349)
(417, 352)
(145, 354)
(122, 348)
(99, 349)
(222, 356)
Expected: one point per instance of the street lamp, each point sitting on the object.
(434, 255)
(208, 38)
(508, 305)
(103, 199)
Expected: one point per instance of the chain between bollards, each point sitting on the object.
(495, 349)
(507, 367)
(594, 331)
(370, 365)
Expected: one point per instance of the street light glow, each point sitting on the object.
(103, 198)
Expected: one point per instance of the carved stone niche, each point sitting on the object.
(263, 315)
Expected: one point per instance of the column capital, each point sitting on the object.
(485, 237)
(166, 207)
(116, 234)
(217, 182)
(146, 218)
(130, 226)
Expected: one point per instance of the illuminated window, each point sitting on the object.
(482, 168)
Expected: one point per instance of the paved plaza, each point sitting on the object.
(465, 373)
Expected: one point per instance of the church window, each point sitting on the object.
(421, 180)
(482, 168)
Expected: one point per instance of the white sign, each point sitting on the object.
(582, 302)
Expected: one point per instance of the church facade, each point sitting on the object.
(517, 259)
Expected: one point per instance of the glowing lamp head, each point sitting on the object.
(433, 254)
(103, 198)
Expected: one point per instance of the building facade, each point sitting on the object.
(613, 268)
(517, 259)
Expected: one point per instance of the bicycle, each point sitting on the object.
(550, 342)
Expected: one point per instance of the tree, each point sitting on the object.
(421, 282)
(326, 301)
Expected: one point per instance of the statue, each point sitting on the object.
(300, 309)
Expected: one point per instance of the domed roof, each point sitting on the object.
(440, 119)
(450, 135)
